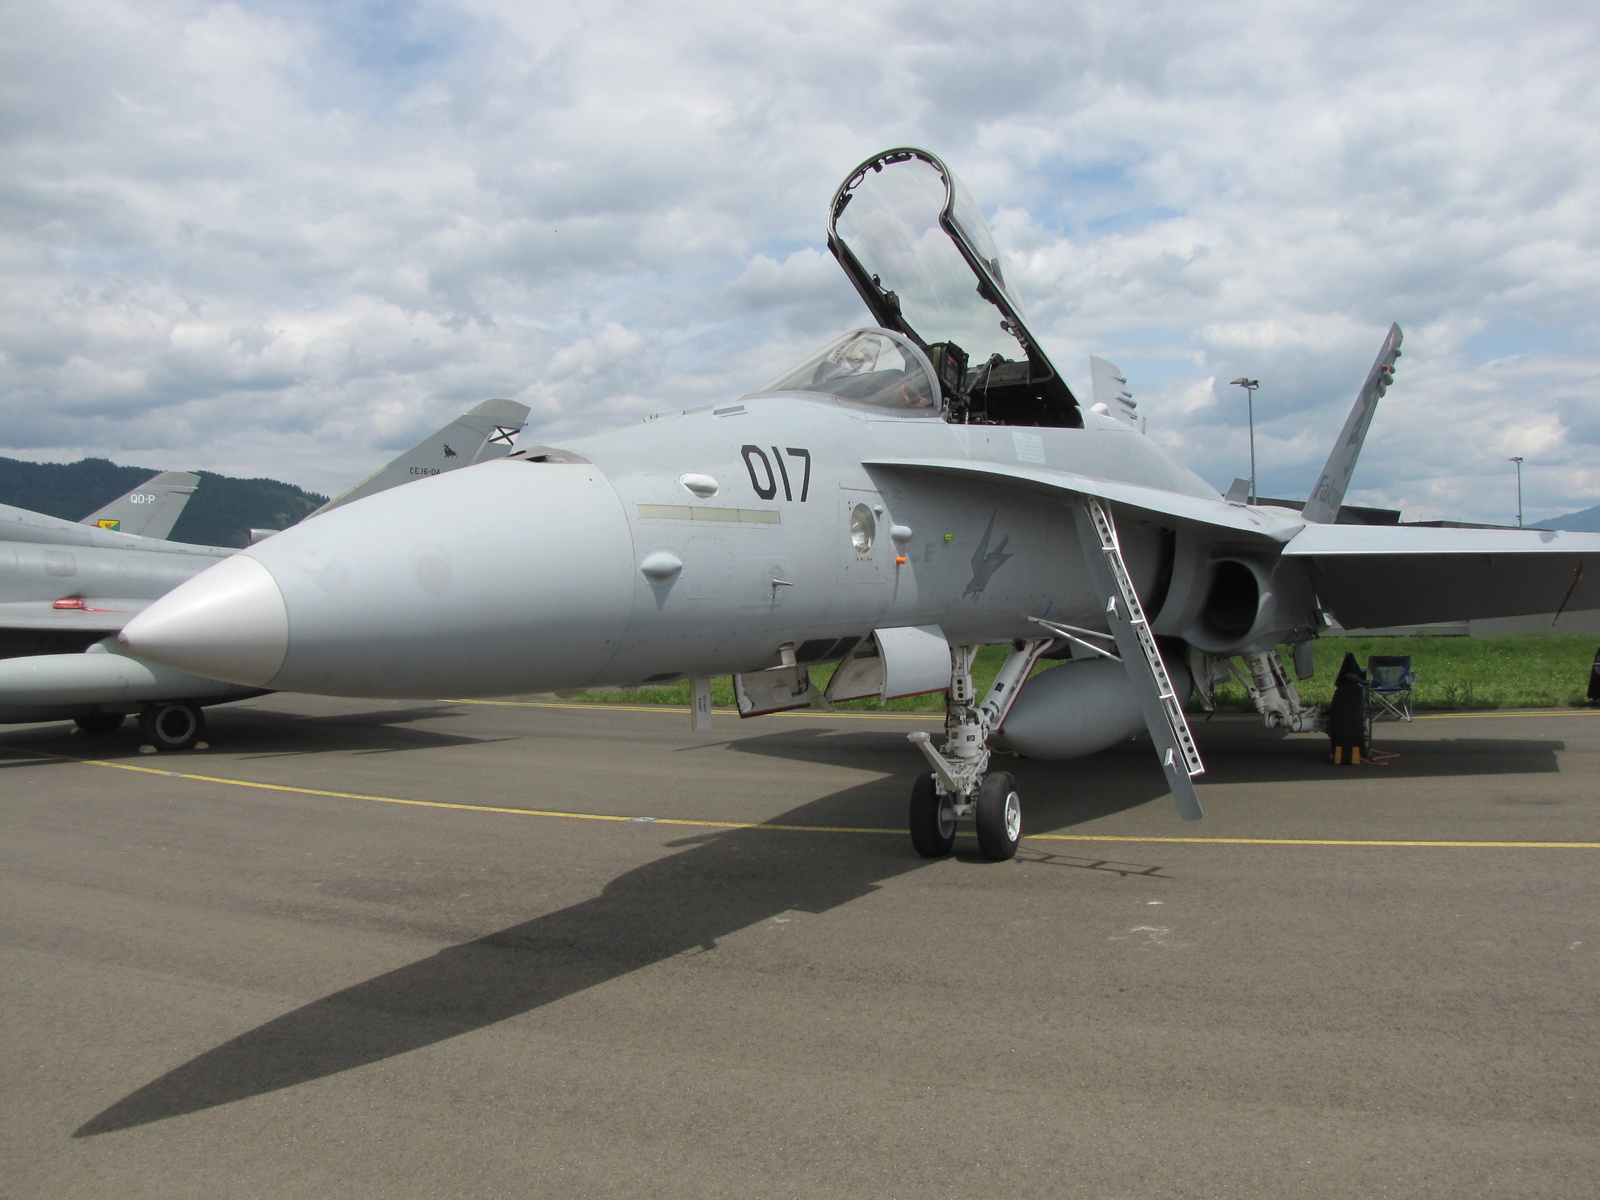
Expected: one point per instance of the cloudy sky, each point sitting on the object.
(288, 238)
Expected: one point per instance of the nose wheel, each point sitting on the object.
(995, 807)
(933, 819)
(999, 814)
(172, 724)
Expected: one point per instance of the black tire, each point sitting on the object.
(172, 724)
(933, 819)
(100, 722)
(999, 817)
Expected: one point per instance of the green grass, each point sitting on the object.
(1456, 673)
(1452, 674)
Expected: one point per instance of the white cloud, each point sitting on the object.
(288, 238)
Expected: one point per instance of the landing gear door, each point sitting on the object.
(906, 661)
(775, 690)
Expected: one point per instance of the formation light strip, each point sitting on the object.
(706, 512)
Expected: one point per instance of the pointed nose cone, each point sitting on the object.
(229, 622)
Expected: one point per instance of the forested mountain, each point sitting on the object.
(1584, 521)
(220, 513)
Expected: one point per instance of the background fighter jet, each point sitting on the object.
(48, 566)
(845, 512)
(69, 586)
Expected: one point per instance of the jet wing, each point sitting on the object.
(21, 525)
(1273, 525)
(1372, 576)
(96, 616)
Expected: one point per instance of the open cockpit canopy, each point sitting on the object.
(868, 366)
(916, 247)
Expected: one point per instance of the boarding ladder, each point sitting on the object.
(1147, 674)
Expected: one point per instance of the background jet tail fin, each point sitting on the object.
(485, 431)
(1328, 495)
(151, 509)
(1111, 389)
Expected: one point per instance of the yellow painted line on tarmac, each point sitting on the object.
(1230, 841)
(577, 816)
(932, 714)
(488, 808)
(1508, 712)
(683, 710)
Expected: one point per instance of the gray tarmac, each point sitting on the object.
(215, 989)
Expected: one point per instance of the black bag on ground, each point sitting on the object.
(1347, 715)
(1594, 680)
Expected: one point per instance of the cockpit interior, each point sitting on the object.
(868, 366)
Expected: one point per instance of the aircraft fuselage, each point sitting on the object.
(521, 575)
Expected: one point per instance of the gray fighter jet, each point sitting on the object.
(905, 495)
(66, 587)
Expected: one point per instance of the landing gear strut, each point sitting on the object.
(960, 786)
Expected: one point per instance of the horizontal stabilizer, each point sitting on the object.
(484, 432)
(1328, 495)
(151, 509)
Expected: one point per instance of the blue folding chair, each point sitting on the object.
(1389, 683)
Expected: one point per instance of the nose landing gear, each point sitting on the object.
(173, 724)
(960, 785)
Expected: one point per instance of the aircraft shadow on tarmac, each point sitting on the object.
(1059, 795)
(264, 733)
(717, 884)
(1245, 751)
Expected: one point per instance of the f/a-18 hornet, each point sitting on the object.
(910, 492)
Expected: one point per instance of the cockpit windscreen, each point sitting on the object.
(918, 251)
(891, 224)
(869, 366)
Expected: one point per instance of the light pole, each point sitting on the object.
(1518, 461)
(1250, 386)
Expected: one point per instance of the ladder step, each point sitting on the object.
(1133, 613)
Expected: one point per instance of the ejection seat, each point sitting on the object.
(1389, 683)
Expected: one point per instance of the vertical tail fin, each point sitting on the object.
(151, 509)
(1111, 389)
(1328, 495)
(485, 431)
